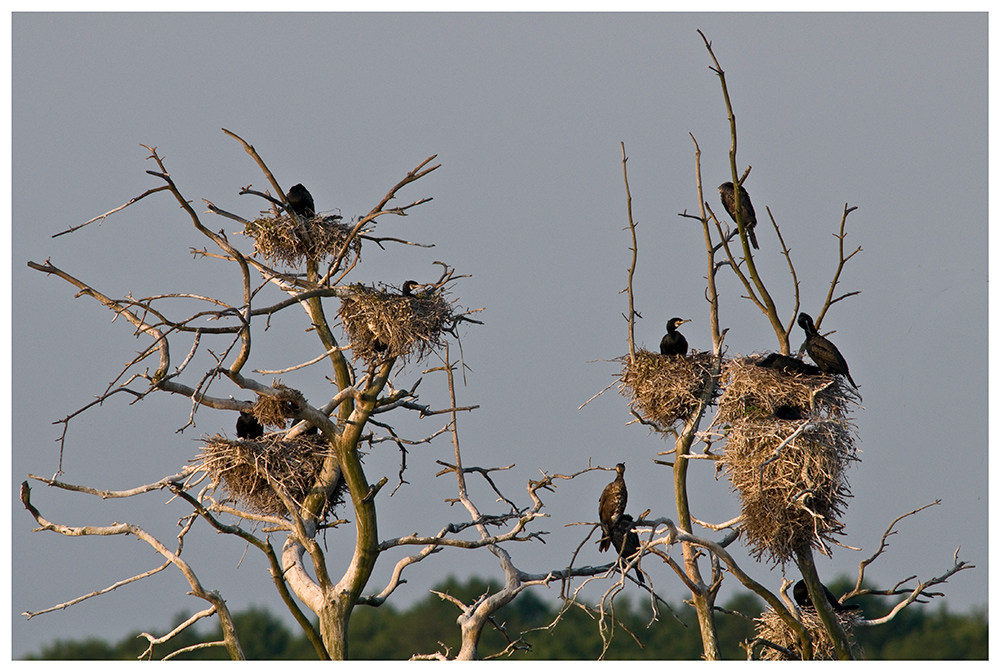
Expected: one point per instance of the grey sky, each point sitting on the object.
(525, 112)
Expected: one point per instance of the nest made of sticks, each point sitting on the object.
(272, 411)
(247, 468)
(277, 239)
(753, 392)
(791, 498)
(794, 497)
(665, 388)
(387, 324)
(771, 628)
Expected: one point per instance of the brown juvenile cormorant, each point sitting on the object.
(626, 541)
(248, 427)
(301, 201)
(674, 343)
(729, 203)
(612, 506)
(822, 351)
(801, 594)
(787, 364)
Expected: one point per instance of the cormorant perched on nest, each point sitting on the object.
(248, 427)
(822, 351)
(379, 346)
(612, 506)
(787, 364)
(674, 343)
(801, 594)
(626, 541)
(301, 201)
(729, 203)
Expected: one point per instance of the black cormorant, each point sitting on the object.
(801, 594)
(301, 201)
(408, 287)
(248, 427)
(674, 343)
(822, 351)
(612, 506)
(626, 541)
(729, 203)
(787, 364)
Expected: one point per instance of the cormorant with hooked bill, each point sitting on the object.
(626, 541)
(822, 351)
(301, 201)
(612, 506)
(787, 364)
(801, 594)
(729, 203)
(674, 343)
(248, 426)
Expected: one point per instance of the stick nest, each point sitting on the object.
(770, 627)
(793, 498)
(277, 239)
(272, 411)
(243, 467)
(386, 324)
(754, 392)
(665, 388)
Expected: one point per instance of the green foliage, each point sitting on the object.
(387, 633)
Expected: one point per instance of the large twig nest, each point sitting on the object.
(277, 239)
(792, 491)
(665, 388)
(789, 444)
(249, 470)
(387, 324)
(771, 628)
(272, 411)
(753, 392)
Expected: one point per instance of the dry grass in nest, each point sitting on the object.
(770, 627)
(753, 392)
(277, 239)
(792, 499)
(243, 466)
(665, 388)
(272, 411)
(387, 324)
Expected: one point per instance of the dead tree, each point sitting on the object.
(783, 434)
(289, 477)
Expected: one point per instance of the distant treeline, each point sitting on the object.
(388, 633)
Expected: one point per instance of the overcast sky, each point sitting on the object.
(525, 113)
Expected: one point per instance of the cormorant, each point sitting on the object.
(729, 203)
(612, 506)
(248, 427)
(674, 343)
(787, 364)
(822, 351)
(801, 594)
(408, 287)
(626, 541)
(301, 201)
